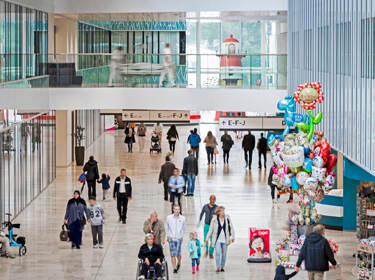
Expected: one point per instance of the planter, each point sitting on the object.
(80, 155)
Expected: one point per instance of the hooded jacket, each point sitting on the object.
(316, 252)
(280, 273)
(91, 167)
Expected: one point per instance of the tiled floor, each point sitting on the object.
(244, 193)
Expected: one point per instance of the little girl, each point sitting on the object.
(194, 248)
(105, 184)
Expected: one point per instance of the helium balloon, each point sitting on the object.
(302, 177)
(318, 173)
(295, 186)
(331, 162)
(310, 184)
(325, 150)
(307, 165)
(318, 162)
(287, 181)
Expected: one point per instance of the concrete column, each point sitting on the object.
(66, 38)
(51, 35)
(198, 53)
(63, 138)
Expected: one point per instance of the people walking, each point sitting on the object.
(176, 186)
(317, 253)
(222, 233)
(152, 255)
(211, 144)
(117, 58)
(92, 174)
(169, 66)
(105, 184)
(129, 137)
(194, 248)
(194, 140)
(75, 217)
(175, 229)
(190, 171)
(156, 227)
(97, 222)
(158, 130)
(165, 174)
(281, 275)
(227, 141)
(141, 133)
(208, 211)
(248, 144)
(273, 187)
(262, 148)
(172, 136)
(122, 192)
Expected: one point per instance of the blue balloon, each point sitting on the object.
(306, 151)
(307, 165)
(295, 185)
(288, 105)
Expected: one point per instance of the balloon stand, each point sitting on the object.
(259, 244)
(303, 164)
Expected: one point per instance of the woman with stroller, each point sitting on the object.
(75, 218)
(151, 255)
(211, 144)
(130, 137)
(172, 137)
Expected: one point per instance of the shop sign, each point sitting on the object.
(251, 123)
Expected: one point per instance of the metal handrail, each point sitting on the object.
(173, 54)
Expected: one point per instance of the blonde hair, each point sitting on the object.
(219, 209)
(192, 234)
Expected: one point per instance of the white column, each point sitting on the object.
(198, 52)
(63, 138)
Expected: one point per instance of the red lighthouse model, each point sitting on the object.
(230, 62)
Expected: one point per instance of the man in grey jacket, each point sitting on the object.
(208, 210)
(190, 171)
(166, 172)
(156, 228)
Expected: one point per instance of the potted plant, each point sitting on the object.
(79, 149)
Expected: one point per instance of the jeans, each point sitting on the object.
(248, 157)
(191, 183)
(209, 248)
(316, 275)
(175, 195)
(210, 154)
(260, 159)
(226, 155)
(195, 262)
(130, 146)
(221, 254)
(196, 151)
(172, 146)
(97, 233)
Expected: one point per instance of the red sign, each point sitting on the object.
(259, 243)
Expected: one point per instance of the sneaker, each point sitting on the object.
(222, 270)
(142, 277)
(96, 246)
(78, 247)
(101, 246)
(73, 246)
(290, 201)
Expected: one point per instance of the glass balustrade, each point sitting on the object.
(145, 70)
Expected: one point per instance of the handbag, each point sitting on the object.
(64, 234)
(173, 139)
(216, 151)
(82, 221)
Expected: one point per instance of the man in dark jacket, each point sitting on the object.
(166, 172)
(316, 252)
(248, 145)
(92, 174)
(190, 171)
(123, 193)
(262, 150)
(227, 145)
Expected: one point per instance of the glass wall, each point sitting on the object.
(27, 162)
(333, 42)
(23, 41)
(93, 123)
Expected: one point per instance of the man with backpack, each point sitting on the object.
(194, 141)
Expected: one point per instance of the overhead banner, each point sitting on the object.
(162, 116)
(251, 123)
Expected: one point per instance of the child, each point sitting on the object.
(97, 221)
(105, 184)
(280, 273)
(194, 247)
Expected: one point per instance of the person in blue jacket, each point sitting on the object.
(105, 184)
(194, 140)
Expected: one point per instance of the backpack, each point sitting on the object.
(194, 140)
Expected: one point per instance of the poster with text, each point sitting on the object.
(259, 245)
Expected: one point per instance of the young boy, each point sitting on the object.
(97, 221)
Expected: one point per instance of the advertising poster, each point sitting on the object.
(259, 244)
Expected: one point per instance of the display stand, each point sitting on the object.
(365, 261)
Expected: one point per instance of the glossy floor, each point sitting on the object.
(244, 193)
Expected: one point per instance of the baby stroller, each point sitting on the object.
(155, 143)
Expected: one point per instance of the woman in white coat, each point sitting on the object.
(222, 233)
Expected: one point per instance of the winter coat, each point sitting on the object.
(172, 134)
(210, 142)
(141, 131)
(194, 248)
(105, 182)
(262, 145)
(227, 142)
(91, 169)
(194, 140)
(158, 230)
(316, 252)
(155, 253)
(166, 171)
(130, 135)
(128, 187)
(248, 142)
(280, 273)
(214, 228)
(190, 166)
(76, 210)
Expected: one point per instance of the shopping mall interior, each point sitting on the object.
(266, 105)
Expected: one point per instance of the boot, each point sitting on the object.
(197, 268)
(193, 270)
